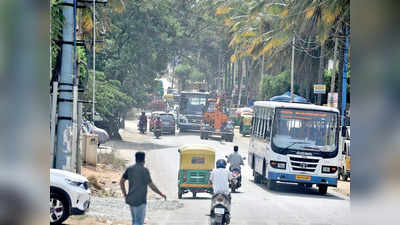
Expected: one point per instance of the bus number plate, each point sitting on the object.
(302, 177)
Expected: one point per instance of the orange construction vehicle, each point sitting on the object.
(215, 120)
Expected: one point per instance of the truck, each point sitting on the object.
(190, 110)
(215, 121)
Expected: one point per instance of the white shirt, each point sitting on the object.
(220, 180)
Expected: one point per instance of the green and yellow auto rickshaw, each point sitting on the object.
(196, 164)
(245, 123)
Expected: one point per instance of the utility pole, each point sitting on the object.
(344, 82)
(94, 59)
(292, 72)
(334, 66)
(64, 127)
(321, 71)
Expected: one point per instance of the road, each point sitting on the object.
(253, 205)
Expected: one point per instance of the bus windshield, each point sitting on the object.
(193, 104)
(305, 130)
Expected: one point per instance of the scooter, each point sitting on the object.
(220, 209)
(236, 181)
(142, 127)
(157, 132)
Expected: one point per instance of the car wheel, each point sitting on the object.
(59, 209)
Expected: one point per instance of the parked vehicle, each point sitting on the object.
(196, 164)
(220, 210)
(245, 123)
(69, 195)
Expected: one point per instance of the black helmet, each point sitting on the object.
(221, 163)
(143, 113)
(235, 148)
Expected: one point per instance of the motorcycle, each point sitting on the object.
(157, 132)
(142, 127)
(235, 182)
(220, 209)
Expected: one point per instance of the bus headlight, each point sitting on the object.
(329, 169)
(278, 165)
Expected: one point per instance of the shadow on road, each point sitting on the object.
(130, 145)
(295, 190)
(187, 133)
(197, 198)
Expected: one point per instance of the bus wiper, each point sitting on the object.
(294, 143)
(312, 147)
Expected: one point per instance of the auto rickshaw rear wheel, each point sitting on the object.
(180, 192)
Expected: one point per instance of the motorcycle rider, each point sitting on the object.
(158, 125)
(235, 160)
(143, 121)
(220, 177)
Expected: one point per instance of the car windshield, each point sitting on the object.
(166, 117)
(305, 130)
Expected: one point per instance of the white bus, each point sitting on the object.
(296, 143)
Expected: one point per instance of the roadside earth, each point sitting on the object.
(107, 204)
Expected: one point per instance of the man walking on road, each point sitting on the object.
(139, 178)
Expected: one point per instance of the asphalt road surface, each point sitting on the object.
(254, 204)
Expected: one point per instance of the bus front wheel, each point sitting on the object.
(323, 189)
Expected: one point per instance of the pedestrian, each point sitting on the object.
(138, 178)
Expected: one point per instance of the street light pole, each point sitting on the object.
(94, 58)
(292, 72)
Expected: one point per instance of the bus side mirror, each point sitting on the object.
(179, 150)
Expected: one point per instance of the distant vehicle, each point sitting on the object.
(168, 122)
(344, 147)
(297, 143)
(215, 121)
(69, 195)
(190, 112)
(153, 118)
(245, 123)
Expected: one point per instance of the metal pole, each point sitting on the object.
(292, 72)
(74, 100)
(53, 124)
(64, 124)
(334, 66)
(94, 58)
(344, 82)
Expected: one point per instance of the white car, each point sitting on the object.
(69, 195)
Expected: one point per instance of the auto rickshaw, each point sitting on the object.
(196, 164)
(245, 123)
